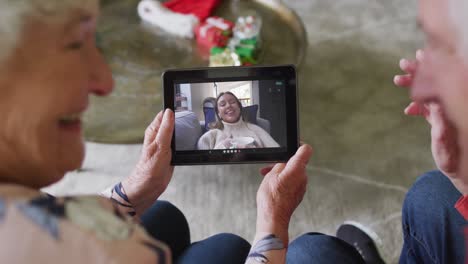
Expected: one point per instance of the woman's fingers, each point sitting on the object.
(166, 130)
(152, 129)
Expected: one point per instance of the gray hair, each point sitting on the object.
(14, 15)
(458, 12)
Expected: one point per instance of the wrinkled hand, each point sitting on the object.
(281, 192)
(153, 172)
(444, 145)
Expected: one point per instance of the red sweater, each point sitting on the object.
(462, 206)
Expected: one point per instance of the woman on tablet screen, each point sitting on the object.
(231, 131)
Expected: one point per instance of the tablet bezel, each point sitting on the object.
(227, 74)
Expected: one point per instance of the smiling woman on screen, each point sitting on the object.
(231, 131)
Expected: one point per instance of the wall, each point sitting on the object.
(199, 92)
(273, 108)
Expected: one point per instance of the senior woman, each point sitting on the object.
(231, 125)
(49, 66)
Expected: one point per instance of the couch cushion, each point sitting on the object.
(187, 130)
(250, 113)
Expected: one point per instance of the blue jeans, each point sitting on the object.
(320, 248)
(432, 227)
(166, 223)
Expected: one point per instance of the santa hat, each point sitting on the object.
(200, 8)
(178, 17)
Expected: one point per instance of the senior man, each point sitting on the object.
(435, 210)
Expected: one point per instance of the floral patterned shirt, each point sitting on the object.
(38, 228)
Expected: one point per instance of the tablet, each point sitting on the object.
(228, 115)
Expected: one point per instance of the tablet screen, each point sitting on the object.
(230, 116)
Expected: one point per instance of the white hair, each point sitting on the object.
(14, 15)
(458, 12)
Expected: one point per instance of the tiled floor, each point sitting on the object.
(367, 153)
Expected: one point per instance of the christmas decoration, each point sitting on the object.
(202, 9)
(223, 57)
(177, 17)
(214, 32)
(152, 12)
(248, 27)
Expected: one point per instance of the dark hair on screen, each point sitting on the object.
(218, 124)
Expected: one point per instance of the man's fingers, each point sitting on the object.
(420, 55)
(298, 162)
(403, 80)
(408, 66)
(415, 109)
(152, 129)
(164, 136)
(437, 117)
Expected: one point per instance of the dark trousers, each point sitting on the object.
(433, 229)
(166, 223)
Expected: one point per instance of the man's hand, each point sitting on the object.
(280, 193)
(444, 145)
(153, 172)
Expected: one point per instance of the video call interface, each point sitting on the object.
(231, 117)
